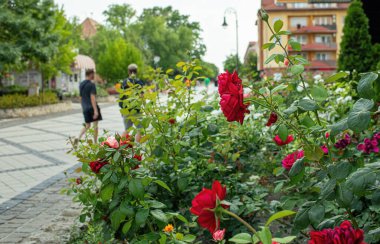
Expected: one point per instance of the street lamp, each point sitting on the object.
(234, 12)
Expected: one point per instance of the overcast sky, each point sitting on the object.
(220, 42)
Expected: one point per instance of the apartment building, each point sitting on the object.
(316, 25)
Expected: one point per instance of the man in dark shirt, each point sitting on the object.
(132, 79)
(90, 108)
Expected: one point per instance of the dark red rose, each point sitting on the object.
(344, 234)
(205, 201)
(126, 141)
(172, 121)
(96, 166)
(272, 119)
(135, 167)
(280, 142)
(138, 157)
(231, 97)
(78, 181)
(290, 159)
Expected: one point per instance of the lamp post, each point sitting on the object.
(234, 12)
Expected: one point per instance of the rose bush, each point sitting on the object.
(308, 144)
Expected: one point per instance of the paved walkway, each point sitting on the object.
(33, 152)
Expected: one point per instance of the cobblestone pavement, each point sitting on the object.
(33, 152)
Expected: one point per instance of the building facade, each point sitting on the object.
(317, 26)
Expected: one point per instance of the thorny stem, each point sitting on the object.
(249, 227)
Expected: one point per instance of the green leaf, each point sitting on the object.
(336, 76)
(365, 85)
(162, 184)
(241, 238)
(287, 239)
(338, 127)
(141, 216)
(116, 218)
(345, 195)
(278, 25)
(328, 188)
(265, 235)
(361, 179)
(279, 215)
(283, 132)
(340, 171)
(290, 110)
(268, 45)
(159, 215)
(279, 88)
(308, 105)
(297, 69)
(107, 192)
(127, 226)
(180, 64)
(284, 32)
(307, 121)
(301, 221)
(316, 214)
(296, 168)
(116, 156)
(189, 238)
(270, 59)
(313, 153)
(136, 188)
(296, 46)
(319, 93)
(359, 117)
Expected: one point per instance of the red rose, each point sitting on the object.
(231, 97)
(205, 202)
(325, 149)
(78, 181)
(280, 142)
(126, 141)
(344, 234)
(138, 157)
(111, 142)
(290, 159)
(272, 119)
(172, 121)
(96, 166)
(135, 167)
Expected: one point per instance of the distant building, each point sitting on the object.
(89, 28)
(317, 26)
(252, 48)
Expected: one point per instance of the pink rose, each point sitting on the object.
(111, 142)
(219, 235)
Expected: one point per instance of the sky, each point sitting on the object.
(220, 42)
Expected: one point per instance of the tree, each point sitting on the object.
(170, 35)
(209, 70)
(230, 63)
(26, 33)
(64, 57)
(249, 68)
(114, 60)
(119, 16)
(355, 48)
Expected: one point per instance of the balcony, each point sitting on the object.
(315, 29)
(317, 47)
(322, 65)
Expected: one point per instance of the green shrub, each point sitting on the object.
(21, 101)
(101, 92)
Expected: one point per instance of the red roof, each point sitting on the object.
(314, 29)
(322, 65)
(317, 47)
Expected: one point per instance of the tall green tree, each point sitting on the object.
(119, 17)
(249, 68)
(26, 32)
(64, 57)
(114, 60)
(230, 63)
(356, 48)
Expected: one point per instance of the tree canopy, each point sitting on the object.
(356, 47)
(230, 63)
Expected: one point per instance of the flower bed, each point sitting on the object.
(282, 165)
(22, 101)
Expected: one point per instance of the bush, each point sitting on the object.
(14, 89)
(21, 101)
(101, 92)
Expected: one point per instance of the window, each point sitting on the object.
(298, 22)
(323, 39)
(300, 5)
(300, 38)
(323, 5)
(323, 20)
(322, 56)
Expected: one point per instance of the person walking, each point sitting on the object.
(91, 110)
(134, 111)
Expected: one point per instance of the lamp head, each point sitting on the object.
(224, 22)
